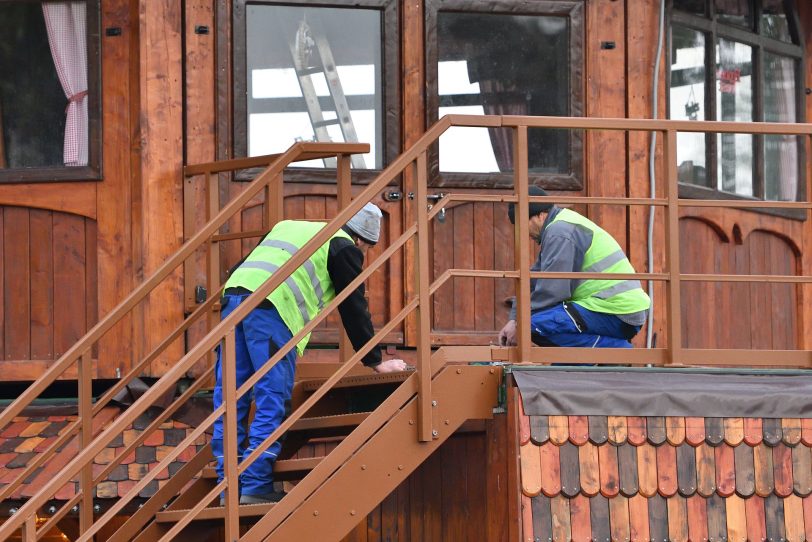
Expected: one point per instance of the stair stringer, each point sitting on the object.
(384, 461)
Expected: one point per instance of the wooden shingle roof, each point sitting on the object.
(29, 436)
(627, 478)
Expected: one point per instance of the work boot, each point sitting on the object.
(266, 498)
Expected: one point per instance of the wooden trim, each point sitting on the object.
(80, 199)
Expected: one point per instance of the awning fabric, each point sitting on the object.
(664, 393)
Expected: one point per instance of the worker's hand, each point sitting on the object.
(390, 366)
(507, 337)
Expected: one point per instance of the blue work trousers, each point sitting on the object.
(557, 326)
(258, 336)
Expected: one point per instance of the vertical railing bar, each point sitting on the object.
(276, 188)
(343, 198)
(425, 429)
(29, 533)
(522, 234)
(86, 436)
(228, 368)
(674, 305)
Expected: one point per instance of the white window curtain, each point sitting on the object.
(67, 36)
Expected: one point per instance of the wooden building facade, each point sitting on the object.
(172, 83)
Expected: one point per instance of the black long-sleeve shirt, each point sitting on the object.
(344, 263)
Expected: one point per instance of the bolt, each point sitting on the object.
(411, 422)
(12, 511)
(435, 433)
(459, 371)
(75, 509)
(315, 512)
(491, 371)
(52, 510)
(96, 508)
(352, 512)
(447, 422)
(363, 467)
(434, 403)
(400, 467)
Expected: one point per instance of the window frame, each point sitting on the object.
(391, 103)
(574, 11)
(713, 30)
(93, 170)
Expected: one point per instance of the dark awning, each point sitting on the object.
(664, 392)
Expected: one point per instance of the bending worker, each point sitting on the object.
(284, 313)
(571, 312)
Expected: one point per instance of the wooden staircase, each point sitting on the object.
(332, 494)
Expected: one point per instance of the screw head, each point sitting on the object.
(434, 433)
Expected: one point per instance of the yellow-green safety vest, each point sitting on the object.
(604, 255)
(304, 293)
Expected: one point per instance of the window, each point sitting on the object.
(737, 60)
(49, 105)
(317, 74)
(492, 59)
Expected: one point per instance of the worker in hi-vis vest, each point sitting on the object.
(590, 313)
(278, 318)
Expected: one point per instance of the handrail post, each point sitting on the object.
(274, 202)
(29, 528)
(343, 198)
(425, 429)
(86, 436)
(673, 303)
(522, 234)
(228, 370)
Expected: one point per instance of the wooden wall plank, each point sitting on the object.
(640, 60)
(69, 281)
(464, 294)
(161, 55)
(116, 198)
(16, 240)
(486, 304)
(455, 496)
(42, 280)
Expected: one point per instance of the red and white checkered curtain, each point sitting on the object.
(67, 36)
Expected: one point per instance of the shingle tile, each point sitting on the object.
(725, 470)
(745, 475)
(782, 470)
(638, 519)
(539, 432)
(736, 519)
(107, 490)
(655, 430)
(695, 431)
(578, 429)
(677, 519)
(145, 454)
(675, 430)
(697, 509)
(717, 518)
(734, 431)
(636, 430)
(806, 432)
(560, 509)
(14, 429)
(802, 471)
(550, 469)
(21, 460)
(531, 469)
(559, 429)
(589, 470)
(619, 518)
(617, 429)
(647, 469)
(666, 471)
(658, 519)
(807, 504)
(607, 461)
(686, 470)
(599, 429)
(714, 431)
(771, 428)
(763, 470)
(756, 525)
(542, 518)
(34, 429)
(28, 445)
(791, 431)
(580, 519)
(599, 518)
(173, 437)
(570, 478)
(794, 518)
(705, 470)
(627, 470)
(774, 518)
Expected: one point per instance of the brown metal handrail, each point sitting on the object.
(416, 156)
(80, 351)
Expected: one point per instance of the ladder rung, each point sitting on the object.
(309, 71)
(217, 512)
(325, 122)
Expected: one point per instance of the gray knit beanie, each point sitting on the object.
(366, 223)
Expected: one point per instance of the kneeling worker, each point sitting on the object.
(284, 313)
(591, 313)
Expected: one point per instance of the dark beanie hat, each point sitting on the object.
(535, 207)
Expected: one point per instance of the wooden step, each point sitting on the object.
(215, 512)
(283, 469)
(360, 380)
